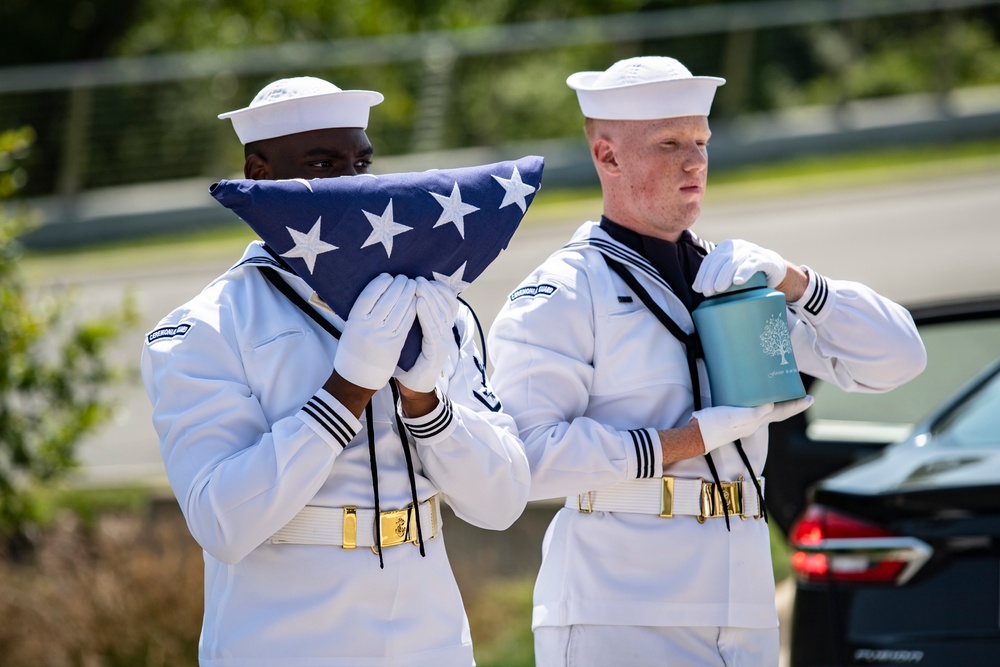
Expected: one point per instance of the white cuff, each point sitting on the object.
(817, 300)
(644, 453)
(330, 419)
(433, 427)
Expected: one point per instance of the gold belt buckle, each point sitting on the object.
(711, 499)
(395, 526)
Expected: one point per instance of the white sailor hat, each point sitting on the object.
(644, 88)
(301, 104)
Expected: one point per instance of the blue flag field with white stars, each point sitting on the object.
(338, 234)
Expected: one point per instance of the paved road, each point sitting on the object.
(918, 241)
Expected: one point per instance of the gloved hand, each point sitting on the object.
(437, 307)
(723, 424)
(375, 330)
(733, 262)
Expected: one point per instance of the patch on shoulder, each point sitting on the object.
(533, 290)
(168, 332)
(486, 396)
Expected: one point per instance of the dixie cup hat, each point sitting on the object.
(301, 104)
(644, 88)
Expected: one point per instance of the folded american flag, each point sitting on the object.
(339, 233)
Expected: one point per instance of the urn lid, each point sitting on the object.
(757, 280)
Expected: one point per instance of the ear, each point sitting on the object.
(605, 158)
(256, 168)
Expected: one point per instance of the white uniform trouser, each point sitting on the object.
(637, 646)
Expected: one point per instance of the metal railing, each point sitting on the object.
(547, 34)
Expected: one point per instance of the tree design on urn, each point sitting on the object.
(775, 339)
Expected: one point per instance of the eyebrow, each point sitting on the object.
(661, 135)
(320, 151)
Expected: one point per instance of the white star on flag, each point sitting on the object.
(353, 221)
(384, 228)
(454, 281)
(308, 246)
(515, 190)
(454, 209)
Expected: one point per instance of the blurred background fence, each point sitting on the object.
(127, 146)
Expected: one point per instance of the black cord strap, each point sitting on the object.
(753, 478)
(370, 419)
(282, 286)
(279, 284)
(409, 465)
(692, 351)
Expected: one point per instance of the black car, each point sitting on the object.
(961, 336)
(897, 557)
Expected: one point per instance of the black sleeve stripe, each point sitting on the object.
(638, 455)
(325, 425)
(436, 425)
(818, 299)
(643, 453)
(335, 419)
(650, 454)
(330, 420)
(335, 429)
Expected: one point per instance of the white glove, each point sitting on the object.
(733, 262)
(723, 424)
(437, 307)
(375, 330)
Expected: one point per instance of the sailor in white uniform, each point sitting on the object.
(308, 466)
(595, 359)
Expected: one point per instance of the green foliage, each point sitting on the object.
(53, 371)
(500, 620)
(921, 55)
(167, 129)
(46, 32)
(187, 25)
(89, 504)
(500, 100)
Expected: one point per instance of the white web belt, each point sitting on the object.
(672, 496)
(350, 527)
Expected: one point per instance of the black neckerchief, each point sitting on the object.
(677, 263)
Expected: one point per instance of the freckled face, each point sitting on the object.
(663, 171)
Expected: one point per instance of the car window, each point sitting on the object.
(956, 352)
(975, 422)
